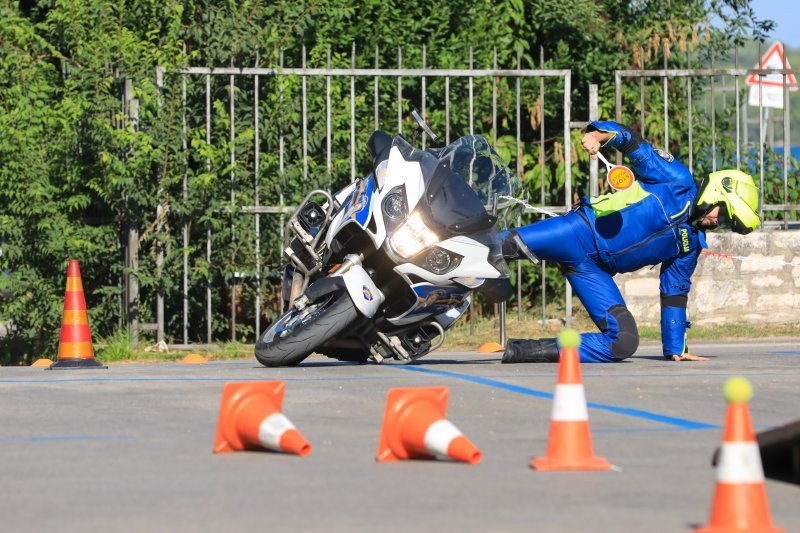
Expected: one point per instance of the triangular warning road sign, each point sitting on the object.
(773, 59)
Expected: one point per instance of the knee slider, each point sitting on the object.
(628, 336)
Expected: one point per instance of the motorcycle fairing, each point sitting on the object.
(432, 300)
(473, 265)
(357, 205)
(362, 290)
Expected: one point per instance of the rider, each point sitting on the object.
(662, 218)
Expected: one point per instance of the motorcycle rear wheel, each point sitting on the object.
(295, 334)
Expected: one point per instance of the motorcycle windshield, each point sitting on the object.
(474, 160)
(461, 183)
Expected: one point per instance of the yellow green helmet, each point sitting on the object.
(736, 194)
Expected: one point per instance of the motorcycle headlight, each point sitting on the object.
(394, 205)
(412, 237)
(438, 260)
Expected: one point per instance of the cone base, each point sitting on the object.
(727, 529)
(70, 364)
(549, 464)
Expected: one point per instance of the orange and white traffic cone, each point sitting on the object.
(569, 446)
(740, 499)
(75, 347)
(250, 418)
(415, 427)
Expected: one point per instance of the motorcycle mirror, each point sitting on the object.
(422, 126)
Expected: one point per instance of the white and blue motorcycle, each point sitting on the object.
(384, 267)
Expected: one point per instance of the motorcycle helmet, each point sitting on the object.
(736, 194)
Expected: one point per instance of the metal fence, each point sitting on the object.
(356, 83)
(452, 89)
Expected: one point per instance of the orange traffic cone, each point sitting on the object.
(194, 359)
(740, 499)
(415, 427)
(490, 347)
(250, 418)
(569, 446)
(75, 347)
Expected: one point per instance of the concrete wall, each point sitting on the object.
(759, 289)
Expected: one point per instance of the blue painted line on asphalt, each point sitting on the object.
(680, 423)
(61, 438)
(785, 353)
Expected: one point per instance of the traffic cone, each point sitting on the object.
(250, 418)
(740, 499)
(569, 446)
(193, 359)
(75, 347)
(415, 427)
(490, 347)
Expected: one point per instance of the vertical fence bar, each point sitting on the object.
(232, 137)
(494, 99)
(641, 108)
(257, 202)
(471, 98)
(760, 135)
(121, 248)
(666, 102)
(713, 117)
(568, 172)
(185, 197)
(399, 91)
(594, 113)
(618, 107)
(541, 177)
(208, 230)
(281, 149)
(738, 111)
(689, 109)
(304, 89)
(745, 125)
(160, 228)
(353, 116)
(424, 93)
(376, 93)
(447, 110)
(787, 154)
(328, 127)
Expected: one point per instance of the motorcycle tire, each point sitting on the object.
(295, 334)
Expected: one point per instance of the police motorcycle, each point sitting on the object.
(382, 268)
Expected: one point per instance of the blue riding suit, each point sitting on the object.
(624, 231)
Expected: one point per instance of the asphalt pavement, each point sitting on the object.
(130, 448)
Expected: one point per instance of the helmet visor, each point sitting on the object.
(734, 223)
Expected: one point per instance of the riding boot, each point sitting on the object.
(531, 351)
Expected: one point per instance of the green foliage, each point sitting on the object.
(77, 173)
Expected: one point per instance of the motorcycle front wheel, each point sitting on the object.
(295, 334)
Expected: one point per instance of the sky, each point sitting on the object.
(786, 14)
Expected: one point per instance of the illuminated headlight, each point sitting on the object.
(439, 261)
(412, 237)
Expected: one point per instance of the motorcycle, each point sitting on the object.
(382, 268)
